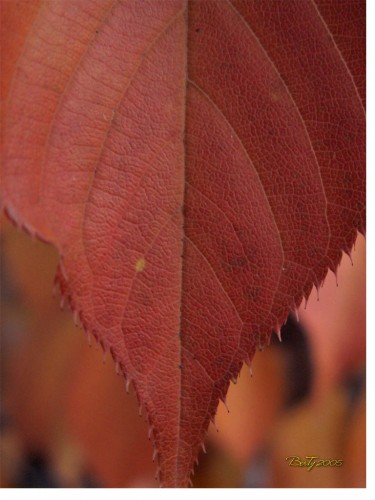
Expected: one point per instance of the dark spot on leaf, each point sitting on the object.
(252, 293)
(237, 261)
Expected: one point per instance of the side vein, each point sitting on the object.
(297, 109)
(339, 53)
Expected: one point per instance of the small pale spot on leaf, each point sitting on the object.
(140, 265)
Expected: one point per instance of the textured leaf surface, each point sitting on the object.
(199, 166)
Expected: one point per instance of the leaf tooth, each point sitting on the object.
(249, 364)
(157, 476)
(94, 334)
(29, 230)
(317, 287)
(154, 454)
(88, 335)
(277, 331)
(306, 300)
(127, 384)
(213, 421)
(203, 448)
(103, 345)
(117, 368)
(62, 302)
(190, 482)
(76, 317)
(224, 400)
(348, 252)
(11, 214)
(150, 431)
(336, 276)
(296, 312)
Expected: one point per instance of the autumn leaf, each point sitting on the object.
(198, 165)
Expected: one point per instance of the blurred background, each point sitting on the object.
(66, 420)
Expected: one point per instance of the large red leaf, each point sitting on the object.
(199, 166)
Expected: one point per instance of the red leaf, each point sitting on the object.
(198, 166)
